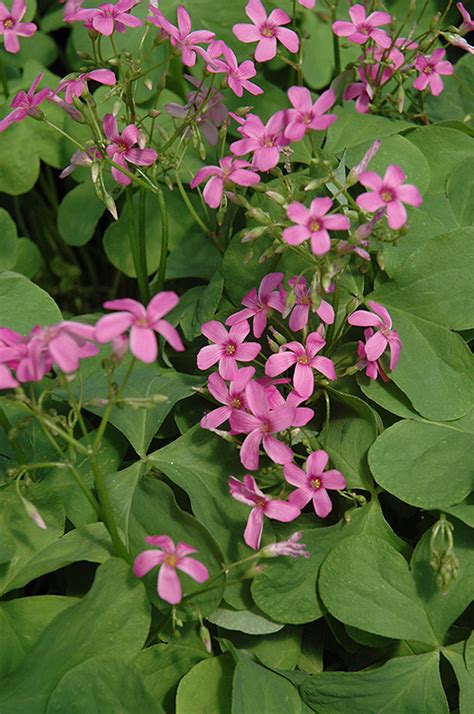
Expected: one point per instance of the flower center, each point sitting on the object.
(428, 70)
(306, 300)
(236, 403)
(260, 502)
(315, 226)
(304, 359)
(266, 428)
(363, 29)
(8, 23)
(386, 196)
(268, 31)
(121, 146)
(171, 560)
(142, 322)
(230, 349)
(315, 483)
(268, 142)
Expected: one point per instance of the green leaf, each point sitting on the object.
(281, 650)
(426, 464)
(444, 149)
(112, 618)
(256, 688)
(435, 283)
(352, 129)
(440, 381)
(383, 596)
(252, 623)
(162, 667)
(154, 510)
(421, 228)
(456, 100)
(103, 684)
(8, 241)
(464, 510)
(460, 189)
(216, 696)
(17, 295)
(405, 684)
(140, 425)
(28, 258)
(199, 307)
(22, 621)
(443, 609)
(465, 680)
(19, 161)
(78, 214)
(400, 150)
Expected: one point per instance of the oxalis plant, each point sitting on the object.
(236, 408)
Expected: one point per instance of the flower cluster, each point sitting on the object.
(267, 403)
(28, 358)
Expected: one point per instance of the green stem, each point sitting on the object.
(335, 45)
(6, 426)
(107, 512)
(161, 275)
(326, 420)
(3, 78)
(189, 205)
(138, 251)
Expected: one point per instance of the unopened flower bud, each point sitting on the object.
(258, 215)
(95, 168)
(153, 113)
(273, 345)
(278, 337)
(317, 183)
(380, 261)
(289, 547)
(116, 108)
(205, 637)
(356, 171)
(254, 234)
(33, 513)
(110, 206)
(276, 197)
(253, 571)
(148, 84)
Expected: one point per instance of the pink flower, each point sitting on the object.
(458, 41)
(264, 140)
(25, 104)
(249, 493)
(384, 337)
(229, 171)
(260, 424)
(363, 94)
(232, 397)
(314, 224)
(314, 483)
(107, 18)
(181, 36)
(305, 359)
(266, 31)
(467, 22)
(309, 4)
(259, 304)
(359, 168)
(305, 115)
(363, 28)
(11, 26)
(301, 416)
(390, 193)
(304, 302)
(289, 547)
(7, 380)
(76, 86)
(81, 158)
(229, 348)
(170, 558)
(237, 76)
(121, 150)
(430, 67)
(143, 323)
(372, 368)
(208, 120)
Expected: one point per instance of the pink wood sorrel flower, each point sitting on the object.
(7, 380)
(307, 115)
(142, 322)
(249, 493)
(313, 223)
(171, 558)
(309, 4)
(305, 360)
(75, 87)
(237, 76)
(264, 140)
(258, 304)
(181, 37)
(266, 31)
(81, 158)
(26, 104)
(314, 483)
(11, 26)
(304, 302)
(210, 105)
(229, 348)
(467, 22)
(430, 68)
(232, 396)
(373, 368)
(363, 28)
(291, 548)
(121, 150)
(230, 171)
(260, 425)
(390, 193)
(384, 337)
(108, 18)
